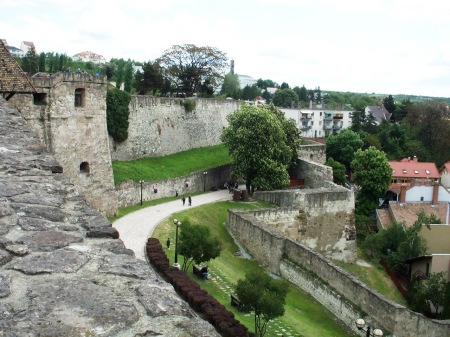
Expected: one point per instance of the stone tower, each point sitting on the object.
(68, 111)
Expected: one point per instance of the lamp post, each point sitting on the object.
(177, 224)
(204, 181)
(141, 182)
(360, 324)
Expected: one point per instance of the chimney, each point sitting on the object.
(310, 104)
(415, 159)
(402, 193)
(435, 192)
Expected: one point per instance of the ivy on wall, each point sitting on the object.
(189, 105)
(117, 112)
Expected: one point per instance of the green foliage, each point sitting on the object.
(151, 80)
(428, 291)
(264, 295)
(128, 76)
(397, 243)
(171, 166)
(231, 86)
(249, 93)
(189, 105)
(117, 112)
(446, 305)
(285, 98)
(261, 147)
(372, 174)
(29, 63)
(342, 147)
(338, 171)
(188, 66)
(197, 244)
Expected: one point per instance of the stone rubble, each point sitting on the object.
(63, 269)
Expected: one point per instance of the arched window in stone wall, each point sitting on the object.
(40, 98)
(84, 167)
(79, 97)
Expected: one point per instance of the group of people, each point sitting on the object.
(230, 185)
(183, 199)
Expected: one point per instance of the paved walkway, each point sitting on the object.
(136, 227)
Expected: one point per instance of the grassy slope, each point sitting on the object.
(170, 166)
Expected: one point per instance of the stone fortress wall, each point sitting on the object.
(63, 270)
(160, 126)
(69, 115)
(344, 295)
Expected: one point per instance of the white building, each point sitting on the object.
(245, 80)
(26, 46)
(318, 123)
(88, 56)
(16, 51)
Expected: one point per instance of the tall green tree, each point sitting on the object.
(151, 80)
(285, 98)
(117, 112)
(188, 66)
(231, 86)
(128, 76)
(120, 73)
(249, 93)
(41, 65)
(389, 104)
(339, 176)
(29, 62)
(259, 146)
(372, 174)
(264, 295)
(197, 244)
(342, 147)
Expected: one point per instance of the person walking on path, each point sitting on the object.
(183, 199)
(190, 200)
(168, 243)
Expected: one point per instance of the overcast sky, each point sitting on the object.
(368, 46)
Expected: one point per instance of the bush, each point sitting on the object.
(189, 105)
(117, 112)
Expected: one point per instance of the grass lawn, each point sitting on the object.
(170, 166)
(304, 316)
(376, 278)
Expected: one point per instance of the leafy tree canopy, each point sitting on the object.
(151, 80)
(264, 295)
(231, 86)
(342, 147)
(117, 112)
(188, 66)
(338, 171)
(197, 244)
(262, 145)
(285, 98)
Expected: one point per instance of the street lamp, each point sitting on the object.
(177, 224)
(141, 182)
(204, 181)
(360, 324)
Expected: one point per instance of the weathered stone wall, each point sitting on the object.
(313, 152)
(63, 272)
(160, 126)
(344, 295)
(75, 135)
(315, 174)
(322, 219)
(129, 193)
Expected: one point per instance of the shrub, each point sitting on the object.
(117, 112)
(189, 105)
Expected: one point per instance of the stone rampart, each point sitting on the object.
(322, 219)
(69, 115)
(63, 270)
(160, 126)
(313, 152)
(344, 295)
(315, 174)
(129, 193)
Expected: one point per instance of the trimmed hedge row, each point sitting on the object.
(216, 313)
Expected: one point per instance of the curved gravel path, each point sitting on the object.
(136, 227)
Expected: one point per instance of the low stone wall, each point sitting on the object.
(345, 296)
(316, 175)
(313, 152)
(129, 193)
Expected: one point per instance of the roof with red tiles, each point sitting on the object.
(412, 168)
(12, 77)
(446, 166)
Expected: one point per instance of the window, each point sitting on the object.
(320, 122)
(84, 167)
(421, 198)
(40, 98)
(79, 97)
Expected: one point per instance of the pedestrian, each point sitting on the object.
(176, 193)
(190, 200)
(183, 199)
(168, 243)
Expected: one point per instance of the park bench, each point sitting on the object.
(197, 270)
(236, 303)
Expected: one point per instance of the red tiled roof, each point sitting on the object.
(12, 77)
(410, 168)
(445, 166)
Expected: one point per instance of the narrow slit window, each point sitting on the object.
(79, 97)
